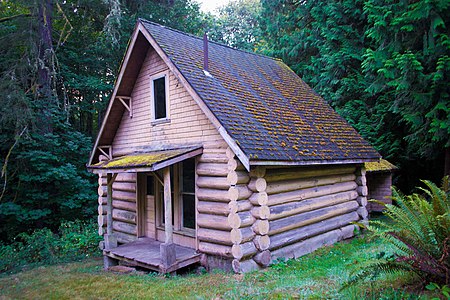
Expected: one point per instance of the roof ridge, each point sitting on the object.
(211, 41)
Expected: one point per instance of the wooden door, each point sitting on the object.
(146, 206)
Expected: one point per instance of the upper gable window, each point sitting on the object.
(160, 96)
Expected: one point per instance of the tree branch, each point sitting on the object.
(14, 17)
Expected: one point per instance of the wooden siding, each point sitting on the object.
(187, 123)
(379, 186)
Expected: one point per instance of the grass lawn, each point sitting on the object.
(318, 275)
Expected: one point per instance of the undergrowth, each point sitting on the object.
(74, 240)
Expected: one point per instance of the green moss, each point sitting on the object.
(382, 165)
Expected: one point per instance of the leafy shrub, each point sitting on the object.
(74, 240)
(419, 228)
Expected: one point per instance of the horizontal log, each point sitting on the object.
(218, 158)
(240, 220)
(261, 212)
(214, 249)
(124, 186)
(362, 190)
(102, 209)
(297, 173)
(263, 258)
(240, 251)
(293, 208)
(261, 227)
(102, 200)
(311, 217)
(124, 227)
(125, 205)
(361, 180)
(212, 169)
(213, 208)
(234, 164)
(220, 183)
(260, 198)
(229, 153)
(307, 246)
(262, 242)
(245, 266)
(239, 206)
(124, 216)
(237, 177)
(292, 236)
(214, 236)
(213, 222)
(124, 237)
(298, 184)
(124, 196)
(204, 194)
(311, 193)
(257, 184)
(219, 144)
(242, 235)
(239, 192)
(258, 171)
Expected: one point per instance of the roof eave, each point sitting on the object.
(310, 162)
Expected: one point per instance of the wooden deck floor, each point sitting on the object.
(145, 253)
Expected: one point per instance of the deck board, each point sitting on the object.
(145, 253)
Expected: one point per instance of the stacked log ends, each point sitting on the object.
(362, 190)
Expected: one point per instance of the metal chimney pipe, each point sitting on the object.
(205, 53)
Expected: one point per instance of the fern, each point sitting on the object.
(419, 230)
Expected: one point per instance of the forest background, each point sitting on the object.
(383, 65)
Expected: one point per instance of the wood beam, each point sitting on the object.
(128, 106)
(167, 207)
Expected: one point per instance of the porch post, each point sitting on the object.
(167, 250)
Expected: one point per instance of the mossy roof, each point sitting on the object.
(142, 160)
(270, 112)
(379, 166)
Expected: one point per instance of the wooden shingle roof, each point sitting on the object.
(270, 112)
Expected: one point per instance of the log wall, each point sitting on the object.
(379, 188)
(124, 207)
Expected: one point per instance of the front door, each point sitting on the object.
(146, 206)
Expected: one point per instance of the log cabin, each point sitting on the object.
(379, 183)
(213, 155)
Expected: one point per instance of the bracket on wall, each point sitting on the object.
(128, 106)
(106, 151)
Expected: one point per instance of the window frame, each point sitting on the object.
(154, 77)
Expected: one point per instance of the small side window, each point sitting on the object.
(159, 94)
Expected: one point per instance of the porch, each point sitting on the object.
(146, 253)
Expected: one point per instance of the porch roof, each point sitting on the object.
(145, 162)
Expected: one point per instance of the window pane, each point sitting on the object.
(159, 96)
(189, 175)
(189, 211)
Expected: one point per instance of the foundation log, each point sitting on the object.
(244, 266)
(243, 250)
(263, 258)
